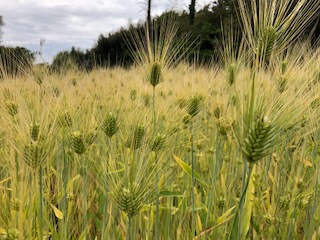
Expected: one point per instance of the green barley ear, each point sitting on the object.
(217, 111)
(182, 103)
(136, 139)
(65, 119)
(158, 142)
(267, 43)
(283, 67)
(315, 103)
(186, 119)
(77, 142)
(90, 138)
(155, 74)
(12, 107)
(194, 105)
(129, 200)
(7, 94)
(133, 94)
(282, 84)
(146, 99)
(15, 204)
(34, 131)
(110, 124)
(258, 141)
(231, 74)
(32, 154)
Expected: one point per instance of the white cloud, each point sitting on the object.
(66, 23)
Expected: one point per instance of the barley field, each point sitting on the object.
(168, 151)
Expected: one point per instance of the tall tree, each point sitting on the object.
(192, 11)
(149, 15)
(1, 24)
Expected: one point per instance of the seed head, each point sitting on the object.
(65, 119)
(91, 137)
(267, 43)
(146, 99)
(158, 142)
(194, 105)
(135, 140)
(182, 103)
(15, 204)
(110, 124)
(217, 111)
(12, 107)
(282, 84)
(258, 141)
(231, 71)
(77, 142)
(7, 94)
(133, 94)
(34, 131)
(155, 74)
(32, 154)
(129, 200)
(283, 67)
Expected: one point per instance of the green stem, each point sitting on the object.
(105, 202)
(65, 183)
(156, 160)
(128, 228)
(40, 217)
(84, 192)
(154, 108)
(252, 99)
(193, 227)
(314, 207)
(157, 201)
(17, 180)
(235, 234)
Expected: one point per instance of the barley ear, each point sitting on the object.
(136, 139)
(129, 199)
(155, 74)
(34, 131)
(110, 124)
(158, 143)
(32, 154)
(231, 74)
(258, 140)
(65, 119)
(77, 142)
(194, 105)
(266, 43)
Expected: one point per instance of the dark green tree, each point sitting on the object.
(192, 11)
(72, 60)
(149, 16)
(1, 25)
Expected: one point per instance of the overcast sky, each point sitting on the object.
(66, 23)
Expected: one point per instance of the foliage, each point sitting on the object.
(71, 60)
(205, 28)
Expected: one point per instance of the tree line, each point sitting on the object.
(204, 26)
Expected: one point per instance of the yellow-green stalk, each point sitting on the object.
(193, 108)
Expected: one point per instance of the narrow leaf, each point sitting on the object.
(171, 194)
(247, 208)
(188, 170)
